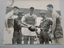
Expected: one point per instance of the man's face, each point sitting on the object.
(31, 11)
(50, 9)
(16, 11)
(20, 15)
(42, 15)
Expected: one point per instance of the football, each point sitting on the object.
(31, 28)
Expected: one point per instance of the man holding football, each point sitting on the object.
(29, 20)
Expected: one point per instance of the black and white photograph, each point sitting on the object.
(33, 22)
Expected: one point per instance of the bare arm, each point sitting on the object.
(55, 16)
(23, 20)
(8, 15)
(54, 25)
(21, 24)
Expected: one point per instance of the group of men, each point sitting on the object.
(30, 20)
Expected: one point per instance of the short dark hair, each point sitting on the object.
(31, 7)
(15, 7)
(20, 13)
(50, 5)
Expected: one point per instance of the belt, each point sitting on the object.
(44, 30)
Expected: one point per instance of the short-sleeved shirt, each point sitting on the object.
(46, 24)
(29, 19)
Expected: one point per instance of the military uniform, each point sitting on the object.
(17, 32)
(45, 26)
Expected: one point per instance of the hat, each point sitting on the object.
(42, 12)
(20, 13)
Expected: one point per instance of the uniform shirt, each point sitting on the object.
(46, 24)
(29, 19)
(17, 26)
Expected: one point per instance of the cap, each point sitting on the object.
(42, 12)
(15, 7)
(50, 5)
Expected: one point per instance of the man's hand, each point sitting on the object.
(8, 31)
(51, 36)
(31, 28)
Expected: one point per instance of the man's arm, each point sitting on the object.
(54, 26)
(21, 24)
(55, 16)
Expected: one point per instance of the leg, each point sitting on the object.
(19, 40)
(46, 41)
(41, 39)
(26, 38)
(60, 40)
(32, 39)
(46, 38)
(59, 35)
(14, 38)
(54, 41)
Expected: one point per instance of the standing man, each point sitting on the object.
(9, 23)
(17, 35)
(29, 20)
(56, 27)
(10, 14)
(44, 26)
